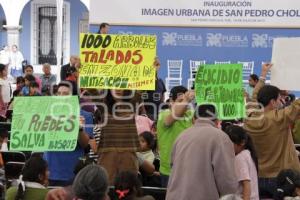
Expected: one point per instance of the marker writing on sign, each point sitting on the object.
(103, 56)
(61, 123)
(28, 140)
(92, 41)
(218, 76)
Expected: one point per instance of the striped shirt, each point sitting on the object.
(119, 135)
(97, 133)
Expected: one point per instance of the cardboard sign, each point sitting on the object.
(45, 123)
(117, 61)
(221, 85)
(286, 58)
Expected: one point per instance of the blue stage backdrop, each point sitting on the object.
(209, 44)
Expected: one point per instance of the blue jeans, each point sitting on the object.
(267, 187)
(164, 180)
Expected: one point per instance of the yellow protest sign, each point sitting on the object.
(117, 61)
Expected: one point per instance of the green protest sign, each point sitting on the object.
(222, 86)
(45, 123)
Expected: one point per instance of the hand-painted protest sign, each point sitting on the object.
(45, 124)
(221, 85)
(117, 61)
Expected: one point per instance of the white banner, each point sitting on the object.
(286, 58)
(198, 13)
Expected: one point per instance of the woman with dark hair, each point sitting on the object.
(128, 187)
(32, 183)
(119, 140)
(28, 70)
(246, 163)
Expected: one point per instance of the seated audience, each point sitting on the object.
(288, 184)
(128, 187)
(28, 80)
(28, 69)
(47, 79)
(74, 61)
(91, 183)
(32, 183)
(34, 89)
(19, 85)
(147, 142)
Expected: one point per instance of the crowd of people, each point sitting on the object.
(128, 139)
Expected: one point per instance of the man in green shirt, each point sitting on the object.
(170, 124)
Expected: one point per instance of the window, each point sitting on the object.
(44, 32)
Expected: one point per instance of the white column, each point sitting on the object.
(59, 8)
(13, 35)
(13, 10)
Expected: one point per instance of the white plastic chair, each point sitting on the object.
(172, 82)
(194, 65)
(174, 77)
(175, 68)
(222, 62)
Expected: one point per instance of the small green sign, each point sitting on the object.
(47, 123)
(221, 85)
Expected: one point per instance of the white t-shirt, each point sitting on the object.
(246, 170)
(5, 90)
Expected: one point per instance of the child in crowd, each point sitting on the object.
(288, 184)
(245, 162)
(128, 187)
(5, 92)
(28, 79)
(34, 89)
(33, 181)
(20, 83)
(147, 142)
